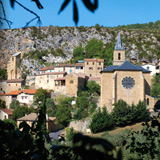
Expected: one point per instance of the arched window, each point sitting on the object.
(71, 81)
(147, 101)
(119, 56)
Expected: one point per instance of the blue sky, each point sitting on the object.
(109, 13)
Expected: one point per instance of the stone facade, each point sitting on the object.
(46, 80)
(12, 67)
(75, 82)
(124, 81)
(93, 67)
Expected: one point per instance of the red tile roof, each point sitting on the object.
(28, 91)
(51, 73)
(8, 111)
(1, 94)
(15, 80)
(94, 60)
(13, 93)
(47, 68)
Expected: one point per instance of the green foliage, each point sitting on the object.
(86, 148)
(59, 52)
(8, 122)
(93, 87)
(51, 107)
(20, 111)
(14, 104)
(63, 113)
(78, 52)
(40, 95)
(145, 143)
(101, 121)
(155, 89)
(116, 139)
(2, 104)
(27, 87)
(69, 134)
(3, 74)
(93, 48)
(124, 114)
(149, 25)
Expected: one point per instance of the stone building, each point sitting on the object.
(93, 67)
(6, 114)
(123, 80)
(46, 80)
(13, 72)
(75, 82)
(11, 85)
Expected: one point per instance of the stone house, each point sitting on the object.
(47, 69)
(123, 80)
(46, 80)
(6, 114)
(93, 67)
(70, 68)
(11, 85)
(75, 82)
(25, 97)
(30, 118)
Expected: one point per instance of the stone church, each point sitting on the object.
(123, 80)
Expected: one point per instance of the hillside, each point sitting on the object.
(139, 43)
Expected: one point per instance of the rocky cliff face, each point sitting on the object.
(138, 43)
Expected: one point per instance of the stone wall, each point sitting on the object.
(81, 125)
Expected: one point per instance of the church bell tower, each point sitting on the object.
(119, 52)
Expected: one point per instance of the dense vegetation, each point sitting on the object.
(122, 115)
(155, 89)
(3, 74)
(150, 25)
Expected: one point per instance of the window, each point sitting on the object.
(5, 117)
(99, 63)
(93, 63)
(26, 97)
(16, 84)
(148, 67)
(99, 68)
(87, 63)
(1, 89)
(22, 97)
(119, 56)
(90, 68)
(39, 81)
(47, 81)
(70, 71)
(81, 67)
(128, 82)
(9, 85)
(71, 81)
(90, 75)
(147, 101)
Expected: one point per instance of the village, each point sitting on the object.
(121, 81)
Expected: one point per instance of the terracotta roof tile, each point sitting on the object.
(29, 91)
(47, 68)
(13, 93)
(8, 111)
(94, 78)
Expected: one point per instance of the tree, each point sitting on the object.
(93, 87)
(78, 52)
(3, 74)
(20, 111)
(2, 104)
(93, 48)
(40, 95)
(155, 88)
(101, 121)
(63, 114)
(51, 107)
(14, 104)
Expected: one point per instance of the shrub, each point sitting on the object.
(101, 121)
(14, 104)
